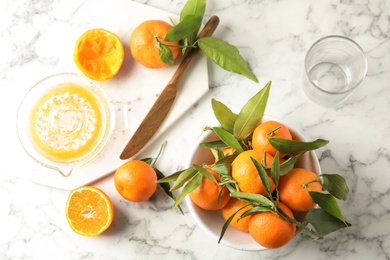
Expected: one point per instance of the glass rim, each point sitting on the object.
(346, 39)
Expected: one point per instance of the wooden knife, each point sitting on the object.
(163, 104)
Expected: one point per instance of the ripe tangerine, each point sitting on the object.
(270, 230)
(135, 180)
(144, 47)
(209, 195)
(266, 130)
(245, 173)
(294, 189)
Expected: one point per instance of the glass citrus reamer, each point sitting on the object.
(64, 121)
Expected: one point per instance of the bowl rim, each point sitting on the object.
(205, 226)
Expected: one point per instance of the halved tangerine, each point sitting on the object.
(89, 211)
(99, 54)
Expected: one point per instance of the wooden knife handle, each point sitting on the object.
(207, 31)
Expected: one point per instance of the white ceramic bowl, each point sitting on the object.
(211, 222)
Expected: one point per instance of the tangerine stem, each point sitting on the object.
(299, 224)
(159, 153)
(272, 132)
(174, 46)
(304, 185)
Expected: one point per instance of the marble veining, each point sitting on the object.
(273, 36)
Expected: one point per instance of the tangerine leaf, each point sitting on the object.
(335, 185)
(289, 164)
(184, 177)
(214, 144)
(148, 160)
(165, 54)
(262, 174)
(205, 173)
(224, 115)
(227, 159)
(226, 225)
(170, 178)
(251, 113)
(257, 199)
(190, 186)
(166, 187)
(323, 222)
(226, 56)
(196, 8)
(222, 168)
(275, 169)
(228, 139)
(188, 26)
(328, 203)
(292, 146)
(256, 210)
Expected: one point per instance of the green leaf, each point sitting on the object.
(148, 160)
(227, 159)
(166, 54)
(228, 139)
(226, 225)
(335, 185)
(275, 169)
(226, 56)
(166, 187)
(256, 209)
(184, 177)
(251, 113)
(328, 203)
(170, 178)
(222, 168)
(263, 175)
(190, 186)
(323, 222)
(289, 164)
(292, 146)
(224, 115)
(205, 173)
(197, 8)
(257, 199)
(214, 144)
(187, 27)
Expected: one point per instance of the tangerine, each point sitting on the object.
(209, 195)
(89, 211)
(99, 54)
(294, 189)
(271, 230)
(144, 47)
(267, 130)
(236, 205)
(135, 180)
(245, 173)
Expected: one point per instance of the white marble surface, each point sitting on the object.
(273, 36)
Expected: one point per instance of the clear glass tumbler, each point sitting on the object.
(334, 67)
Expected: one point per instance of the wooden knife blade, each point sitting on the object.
(163, 104)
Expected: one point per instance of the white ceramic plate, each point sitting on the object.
(211, 222)
(132, 92)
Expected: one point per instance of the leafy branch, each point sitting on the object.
(165, 186)
(220, 52)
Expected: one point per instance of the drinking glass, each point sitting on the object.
(334, 67)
